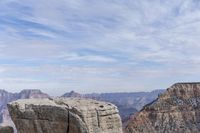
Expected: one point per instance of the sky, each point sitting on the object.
(98, 45)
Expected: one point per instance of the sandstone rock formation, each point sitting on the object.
(65, 115)
(175, 111)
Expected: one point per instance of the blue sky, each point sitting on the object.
(98, 45)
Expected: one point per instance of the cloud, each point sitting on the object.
(119, 45)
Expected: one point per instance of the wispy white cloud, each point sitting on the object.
(82, 44)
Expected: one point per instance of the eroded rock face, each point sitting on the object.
(64, 115)
(175, 111)
(6, 97)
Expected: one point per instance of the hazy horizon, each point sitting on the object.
(58, 94)
(98, 46)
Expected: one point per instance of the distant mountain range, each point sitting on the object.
(174, 110)
(127, 103)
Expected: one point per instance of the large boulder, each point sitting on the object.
(175, 111)
(64, 115)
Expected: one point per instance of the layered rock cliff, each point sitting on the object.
(175, 111)
(65, 115)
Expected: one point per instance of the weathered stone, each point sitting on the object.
(65, 115)
(175, 111)
(6, 97)
(6, 129)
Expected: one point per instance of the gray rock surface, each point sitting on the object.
(65, 115)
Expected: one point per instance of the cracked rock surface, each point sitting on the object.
(65, 115)
(175, 111)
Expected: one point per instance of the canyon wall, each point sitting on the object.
(175, 111)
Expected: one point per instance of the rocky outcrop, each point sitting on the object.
(175, 111)
(127, 103)
(65, 115)
(6, 97)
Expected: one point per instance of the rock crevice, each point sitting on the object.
(65, 115)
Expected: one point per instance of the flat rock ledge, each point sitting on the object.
(64, 115)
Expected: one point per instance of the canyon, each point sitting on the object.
(127, 103)
(175, 111)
